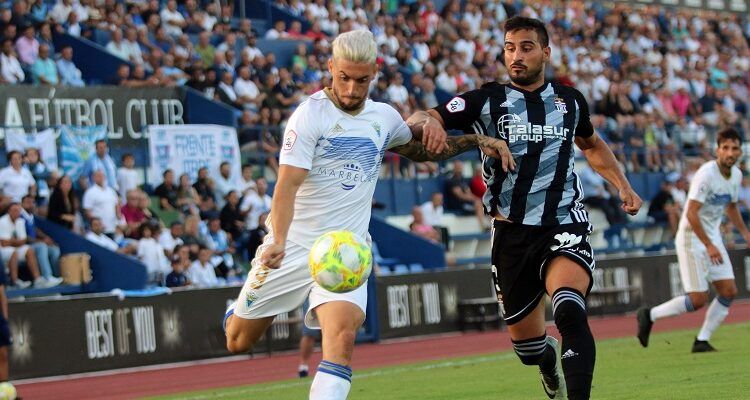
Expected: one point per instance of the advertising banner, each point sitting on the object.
(734, 6)
(124, 112)
(187, 148)
(57, 337)
(18, 139)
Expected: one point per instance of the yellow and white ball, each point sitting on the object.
(8, 391)
(340, 261)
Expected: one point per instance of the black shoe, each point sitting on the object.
(644, 325)
(303, 372)
(702, 346)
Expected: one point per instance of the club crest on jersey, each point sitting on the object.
(376, 126)
(289, 139)
(456, 104)
(560, 105)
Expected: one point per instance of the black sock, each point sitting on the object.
(578, 348)
(549, 360)
(536, 351)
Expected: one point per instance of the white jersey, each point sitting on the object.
(342, 153)
(715, 192)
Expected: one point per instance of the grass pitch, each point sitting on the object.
(624, 370)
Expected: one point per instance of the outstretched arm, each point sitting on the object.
(603, 161)
(455, 145)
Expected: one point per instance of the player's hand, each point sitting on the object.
(273, 255)
(497, 148)
(631, 202)
(714, 254)
(434, 137)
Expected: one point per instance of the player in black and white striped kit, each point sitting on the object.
(540, 237)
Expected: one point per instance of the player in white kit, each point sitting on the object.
(330, 159)
(700, 252)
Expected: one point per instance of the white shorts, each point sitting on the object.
(270, 292)
(7, 252)
(696, 269)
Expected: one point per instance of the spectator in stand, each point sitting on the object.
(72, 26)
(255, 203)
(9, 66)
(188, 199)
(47, 252)
(152, 254)
(205, 50)
(256, 235)
(131, 46)
(14, 249)
(177, 278)
(44, 69)
(127, 176)
(27, 46)
(117, 46)
(101, 201)
(133, 213)
(204, 185)
(40, 172)
(171, 238)
(223, 250)
(285, 92)
(97, 236)
(122, 76)
(246, 182)
(422, 229)
(201, 271)
(173, 20)
(277, 32)
(663, 208)
(224, 183)
(44, 36)
(16, 180)
(225, 91)
(458, 196)
(232, 220)
(432, 211)
(207, 208)
(167, 192)
(61, 10)
(39, 10)
(63, 204)
(397, 94)
(70, 75)
(192, 236)
(247, 92)
(102, 161)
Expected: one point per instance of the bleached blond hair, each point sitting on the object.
(355, 46)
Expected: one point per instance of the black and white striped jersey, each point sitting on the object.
(539, 127)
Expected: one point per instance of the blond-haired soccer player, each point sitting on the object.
(330, 159)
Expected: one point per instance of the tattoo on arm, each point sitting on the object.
(415, 151)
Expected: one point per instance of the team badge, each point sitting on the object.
(376, 126)
(560, 105)
(456, 104)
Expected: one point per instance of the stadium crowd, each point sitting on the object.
(659, 83)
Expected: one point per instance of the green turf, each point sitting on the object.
(666, 370)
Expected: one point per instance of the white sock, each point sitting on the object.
(717, 311)
(332, 382)
(670, 308)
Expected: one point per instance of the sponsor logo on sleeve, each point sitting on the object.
(457, 104)
(289, 139)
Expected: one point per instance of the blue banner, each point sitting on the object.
(78, 144)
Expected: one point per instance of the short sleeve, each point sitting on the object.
(584, 128)
(400, 131)
(700, 186)
(461, 111)
(300, 137)
(87, 200)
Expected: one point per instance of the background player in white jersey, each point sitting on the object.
(333, 146)
(702, 256)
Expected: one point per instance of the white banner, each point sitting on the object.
(17, 139)
(187, 148)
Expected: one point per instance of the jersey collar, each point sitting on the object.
(537, 91)
(329, 93)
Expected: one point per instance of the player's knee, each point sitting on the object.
(236, 344)
(728, 293)
(698, 300)
(569, 310)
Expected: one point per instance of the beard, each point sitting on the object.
(526, 77)
(350, 105)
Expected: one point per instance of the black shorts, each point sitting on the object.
(519, 258)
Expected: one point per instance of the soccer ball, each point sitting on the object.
(7, 391)
(340, 261)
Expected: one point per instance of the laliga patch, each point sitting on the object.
(289, 139)
(455, 105)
